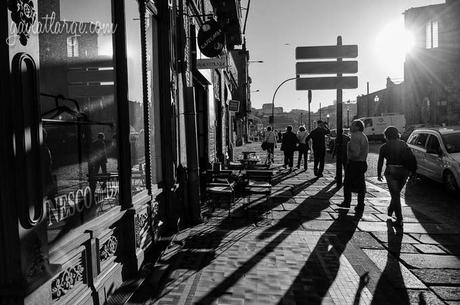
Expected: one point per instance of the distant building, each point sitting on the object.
(432, 69)
(388, 100)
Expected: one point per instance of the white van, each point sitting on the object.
(376, 125)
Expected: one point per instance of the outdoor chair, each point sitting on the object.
(258, 182)
(219, 185)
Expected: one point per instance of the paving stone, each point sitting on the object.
(405, 248)
(447, 293)
(366, 240)
(445, 240)
(429, 249)
(409, 228)
(431, 261)
(383, 237)
(423, 297)
(438, 276)
(397, 273)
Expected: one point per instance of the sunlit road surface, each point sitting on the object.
(300, 248)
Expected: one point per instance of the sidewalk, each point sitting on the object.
(300, 248)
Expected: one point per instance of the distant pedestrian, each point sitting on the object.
(270, 138)
(303, 147)
(395, 152)
(357, 150)
(317, 136)
(288, 146)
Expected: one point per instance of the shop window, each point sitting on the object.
(79, 114)
(135, 96)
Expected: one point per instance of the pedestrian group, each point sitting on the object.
(400, 161)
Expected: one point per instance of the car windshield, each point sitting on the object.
(452, 142)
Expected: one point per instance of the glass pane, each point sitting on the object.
(428, 44)
(435, 34)
(79, 113)
(135, 96)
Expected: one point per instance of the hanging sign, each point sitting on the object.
(234, 105)
(211, 38)
(211, 63)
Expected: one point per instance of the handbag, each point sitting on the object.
(264, 145)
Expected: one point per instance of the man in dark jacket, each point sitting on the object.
(317, 136)
(288, 146)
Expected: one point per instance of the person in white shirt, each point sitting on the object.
(303, 147)
(270, 138)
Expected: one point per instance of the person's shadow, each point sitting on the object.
(390, 286)
(320, 270)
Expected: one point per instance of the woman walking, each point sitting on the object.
(270, 139)
(303, 147)
(396, 153)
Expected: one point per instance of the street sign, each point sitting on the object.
(321, 52)
(211, 63)
(324, 83)
(326, 67)
(234, 105)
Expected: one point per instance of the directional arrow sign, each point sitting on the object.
(326, 67)
(347, 51)
(324, 83)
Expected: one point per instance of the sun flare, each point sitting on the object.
(392, 44)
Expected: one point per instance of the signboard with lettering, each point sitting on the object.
(211, 39)
(211, 63)
(234, 105)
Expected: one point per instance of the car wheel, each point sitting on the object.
(450, 182)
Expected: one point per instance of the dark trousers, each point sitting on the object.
(318, 164)
(355, 181)
(289, 158)
(396, 179)
(303, 152)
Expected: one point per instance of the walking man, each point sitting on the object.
(319, 146)
(357, 150)
(288, 146)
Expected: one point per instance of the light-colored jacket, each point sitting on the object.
(358, 147)
(302, 136)
(270, 137)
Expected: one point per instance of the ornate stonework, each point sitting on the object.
(140, 221)
(67, 280)
(108, 249)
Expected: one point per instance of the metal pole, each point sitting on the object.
(367, 100)
(320, 112)
(273, 99)
(309, 113)
(339, 125)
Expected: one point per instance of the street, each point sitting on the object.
(300, 248)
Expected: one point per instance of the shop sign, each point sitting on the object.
(211, 63)
(211, 38)
(234, 105)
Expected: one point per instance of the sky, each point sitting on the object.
(276, 27)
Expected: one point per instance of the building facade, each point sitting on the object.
(432, 69)
(107, 128)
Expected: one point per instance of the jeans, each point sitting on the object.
(355, 181)
(303, 152)
(396, 177)
(319, 156)
(270, 151)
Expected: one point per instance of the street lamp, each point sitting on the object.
(376, 100)
(327, 118)
(348, 116)
(273, 99)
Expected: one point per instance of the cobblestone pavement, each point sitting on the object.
(300, 248)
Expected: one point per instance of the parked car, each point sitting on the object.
(410, 128)
(330, 138)
(437, 150)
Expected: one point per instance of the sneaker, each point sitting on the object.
(344, 205)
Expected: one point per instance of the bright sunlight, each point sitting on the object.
(392, 44)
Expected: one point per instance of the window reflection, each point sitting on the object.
(135, 96)
(79, 113)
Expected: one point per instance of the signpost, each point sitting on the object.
(234, 105)
(338, 82)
